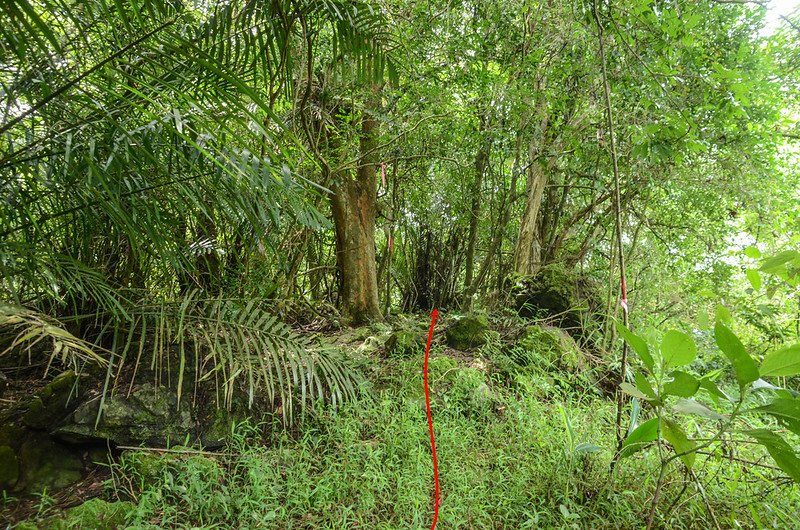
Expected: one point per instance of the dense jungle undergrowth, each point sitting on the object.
(224, 226)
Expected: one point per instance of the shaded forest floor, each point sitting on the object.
(524, 434)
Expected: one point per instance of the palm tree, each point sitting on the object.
(142, 156)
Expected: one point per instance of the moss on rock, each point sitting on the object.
(96, 514)
(9, 468)
(150, 415)
(404, 343)
(467, 332)
(545, 346)
(47, 464)
(48, 405)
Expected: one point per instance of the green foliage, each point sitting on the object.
(369, 465)
(467, 332)
(725, 422)
(143, 168)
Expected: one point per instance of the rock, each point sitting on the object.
(557, 292)
(551, 290)
(45, 463)
(49, 405)
(9, 468)
(217, 428)
(545, 346)
(150, 415)
(467, 332)
(468, 392)
(11, 434)
(405, 343)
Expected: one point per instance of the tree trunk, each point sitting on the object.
(354, 206)
(528, 251)
(481, 162)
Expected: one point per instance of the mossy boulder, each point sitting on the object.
(546, 346)
(49, 404)
(46, 464)
(150, 415)
(9, 468)
(94, 514)
(559, 293)
(405, 343)
(467, 392)
(218, 422)
(467, 332)
(153, 468)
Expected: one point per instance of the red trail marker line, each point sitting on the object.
(430, 421)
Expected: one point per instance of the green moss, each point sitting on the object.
(545, 346)
(146, 466)
(468, 392)
(9, 467)
(47, 464)
(405, 343)
(11, 434)
(49, 403)
(467, 332)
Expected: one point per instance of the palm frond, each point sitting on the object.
(29, 328)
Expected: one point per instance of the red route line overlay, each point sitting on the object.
(430, 421)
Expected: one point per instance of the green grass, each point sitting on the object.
(505, 462)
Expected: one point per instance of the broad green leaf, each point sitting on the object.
(752, 252)
(785, 361)
(633, 391)
(641, 435)
(776, 263)
(711, 387)
(644, 386)
(677, 349)
(682, 385)
(744, 366)
(779, 450)
(682, 445)
(703, 321)
(755, 278)
(786, 411)
(690, 406)
(586, 448)
(722, 314)
(638, 344)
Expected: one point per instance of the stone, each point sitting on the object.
(467, 332)
(49, 405)
(45, 463)
(546, 346)
(551, 291)
(405, 343)
(9, 468)
(150, 415)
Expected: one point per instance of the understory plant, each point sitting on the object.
(695, 414)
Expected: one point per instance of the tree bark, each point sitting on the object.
(354, 207)
(528, 250)
(481, 162)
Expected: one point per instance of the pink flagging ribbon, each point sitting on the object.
(383, 174)
(624, 299)
(391, 244)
